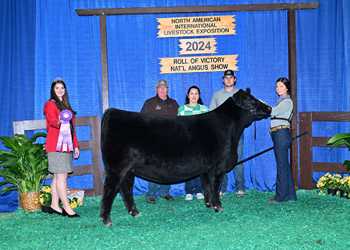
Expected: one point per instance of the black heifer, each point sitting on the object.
(168, 149)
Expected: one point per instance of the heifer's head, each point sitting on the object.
(246, 101)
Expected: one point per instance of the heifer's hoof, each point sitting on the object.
(209, 206)
(219, 210)
(107, 224)
(135, 214)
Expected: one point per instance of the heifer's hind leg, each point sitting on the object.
(207, 191)
(126, 190)
(110, 188)
(216, 192)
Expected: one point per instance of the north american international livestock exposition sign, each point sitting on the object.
(198, 64)
(196, 26)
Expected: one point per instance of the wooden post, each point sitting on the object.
(292, 59)
(104, 62)
(96, 155)
(306, 167)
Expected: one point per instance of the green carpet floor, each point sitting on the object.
(312, 222)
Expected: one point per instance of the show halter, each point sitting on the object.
(64, 137)
(253, 111)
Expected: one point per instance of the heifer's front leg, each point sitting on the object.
(126, 189)
(110, 188)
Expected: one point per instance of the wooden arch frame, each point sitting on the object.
(292, 59)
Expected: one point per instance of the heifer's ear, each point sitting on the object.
(247, 91)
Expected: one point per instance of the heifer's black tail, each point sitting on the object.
(103, 121)
(105, 113)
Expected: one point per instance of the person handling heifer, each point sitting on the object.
(229, 79)
(193, 106)
(281, 116)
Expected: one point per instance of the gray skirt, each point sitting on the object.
(60, 163)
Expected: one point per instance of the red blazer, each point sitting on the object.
(51, 113)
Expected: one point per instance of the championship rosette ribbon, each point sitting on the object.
(65, 137)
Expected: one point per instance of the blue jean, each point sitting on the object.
(238, 171)
(153, 189)
(193, 186)
(285, 189)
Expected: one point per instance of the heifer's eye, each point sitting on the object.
(250, 101)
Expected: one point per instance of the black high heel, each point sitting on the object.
(53, 211)
(64, 213)
(50, 210)
(46, 209)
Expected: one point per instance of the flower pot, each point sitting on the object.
(30, 201)
(332, 191)
(344, 194)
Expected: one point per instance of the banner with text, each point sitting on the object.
(197, 46)
(196, 26)
(198, 64)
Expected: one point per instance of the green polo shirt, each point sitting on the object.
(186, 110)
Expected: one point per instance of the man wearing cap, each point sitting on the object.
(161, 104)
(229, 79)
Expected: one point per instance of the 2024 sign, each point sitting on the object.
(197, 46)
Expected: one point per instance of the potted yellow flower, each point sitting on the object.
(75, 197)
(330, 182)
(345, 187)
(45, 198)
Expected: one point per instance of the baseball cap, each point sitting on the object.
(229, 73)
(161, 83)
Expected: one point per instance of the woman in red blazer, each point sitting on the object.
(60, 163)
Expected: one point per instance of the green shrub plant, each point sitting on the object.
(340, 139)
(26, 166)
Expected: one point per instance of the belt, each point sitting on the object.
(277, 128)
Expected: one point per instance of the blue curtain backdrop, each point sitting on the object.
(42, 40)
